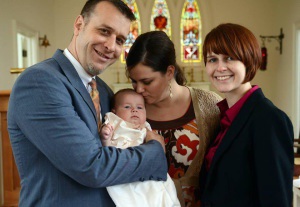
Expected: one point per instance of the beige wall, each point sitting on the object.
(264, 17)
(286, 90)
(35, 14)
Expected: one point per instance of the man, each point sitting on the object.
(52, 120)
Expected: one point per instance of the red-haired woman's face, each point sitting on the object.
(226, 74)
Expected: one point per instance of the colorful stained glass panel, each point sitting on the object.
(190, 29)
(135, 29)
(160, 17)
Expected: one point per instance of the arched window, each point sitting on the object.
(190, 29)
(135, 29)
(160, 17)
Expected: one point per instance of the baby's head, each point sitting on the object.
(130, 106)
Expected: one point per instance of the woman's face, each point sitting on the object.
(152, 85)
(226, 74)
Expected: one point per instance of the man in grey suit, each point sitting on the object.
(53, 126)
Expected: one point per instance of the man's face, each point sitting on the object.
(100, 38)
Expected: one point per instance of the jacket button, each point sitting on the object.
(142, 179)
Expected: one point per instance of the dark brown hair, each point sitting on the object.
(237, 42)
(90, 5)
(156, 50)
(122, 91)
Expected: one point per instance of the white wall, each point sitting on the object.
(285, 90)
(37, 15)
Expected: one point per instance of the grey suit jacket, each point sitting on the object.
(58, 153)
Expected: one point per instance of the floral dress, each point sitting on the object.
(182, 142)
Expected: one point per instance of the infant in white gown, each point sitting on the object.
(138, 194)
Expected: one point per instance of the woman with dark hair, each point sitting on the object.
(250, 163)
(186, 117)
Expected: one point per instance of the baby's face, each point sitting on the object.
(131, 108)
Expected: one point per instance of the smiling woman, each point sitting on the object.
(253, 130)
(226, 73)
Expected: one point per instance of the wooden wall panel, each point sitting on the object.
(11, 179)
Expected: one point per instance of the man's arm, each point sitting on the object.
(44, 110)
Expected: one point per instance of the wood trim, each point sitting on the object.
(11, 179)
(16, 70)
(4, 96)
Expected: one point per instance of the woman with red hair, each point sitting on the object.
(250, 163)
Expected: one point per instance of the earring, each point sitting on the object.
(170, 88)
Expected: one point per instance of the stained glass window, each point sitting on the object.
(160, 17)
(135, 29)
(190, 29)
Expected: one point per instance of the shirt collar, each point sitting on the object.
(84, 76)
(231, 112)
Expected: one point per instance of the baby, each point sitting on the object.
(124, 127)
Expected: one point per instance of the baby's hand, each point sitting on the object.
(106, 134)
(151, 135)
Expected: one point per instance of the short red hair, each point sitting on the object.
(237, 42)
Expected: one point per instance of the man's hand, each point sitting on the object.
(154, 136)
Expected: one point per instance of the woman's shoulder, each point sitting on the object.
(205, 95)
(264, 111)
(267, 108)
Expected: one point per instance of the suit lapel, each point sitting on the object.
(236, 126)
(73, 77)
